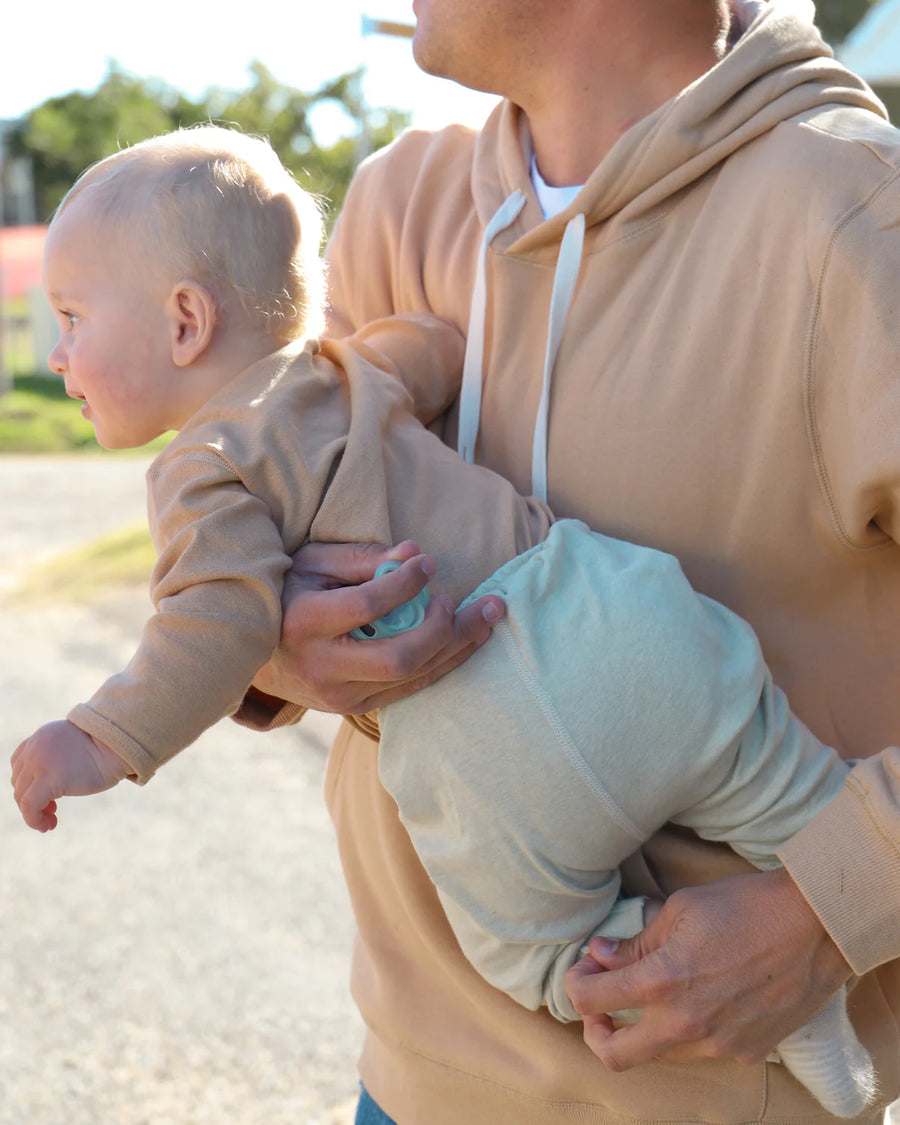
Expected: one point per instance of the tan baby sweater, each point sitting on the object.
(314, 442)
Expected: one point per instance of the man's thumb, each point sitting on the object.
(613, 954)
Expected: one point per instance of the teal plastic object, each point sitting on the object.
(399, 620)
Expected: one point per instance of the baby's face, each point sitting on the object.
(114, 348)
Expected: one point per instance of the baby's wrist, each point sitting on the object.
(109, 761)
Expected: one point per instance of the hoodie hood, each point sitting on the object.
(779, 68)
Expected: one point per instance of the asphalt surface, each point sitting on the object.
(175, 954)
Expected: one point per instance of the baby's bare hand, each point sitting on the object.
(60, 760)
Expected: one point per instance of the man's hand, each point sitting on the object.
(330, 591)
(724, 970)
(60, 760)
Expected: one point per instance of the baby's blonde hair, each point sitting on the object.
(222, 211)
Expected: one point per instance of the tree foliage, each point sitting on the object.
(63, 135)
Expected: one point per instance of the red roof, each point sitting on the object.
(21, 251)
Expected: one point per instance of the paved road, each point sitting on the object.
(50, 503)
(176, 954)
(172, 955)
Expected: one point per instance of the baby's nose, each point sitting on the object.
(56, 361)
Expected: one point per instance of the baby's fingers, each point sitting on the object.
(17, 760)
(37, 806)
(49, 818)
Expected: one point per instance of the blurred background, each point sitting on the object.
(328, 84)
(178, 954)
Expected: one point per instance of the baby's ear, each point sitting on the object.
(192, 319)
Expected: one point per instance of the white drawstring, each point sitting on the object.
(473, 364)
(567, 266)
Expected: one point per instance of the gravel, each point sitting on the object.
(175, 954)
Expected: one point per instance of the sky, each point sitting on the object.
(52, 47)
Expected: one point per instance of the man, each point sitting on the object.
(712, 366)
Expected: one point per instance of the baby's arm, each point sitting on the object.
(423, 352)
(217, 589)
(60, 760)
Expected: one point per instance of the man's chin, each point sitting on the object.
(428, 63)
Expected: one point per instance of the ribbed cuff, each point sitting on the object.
(92, 723)
(848, 869)
(267, 713)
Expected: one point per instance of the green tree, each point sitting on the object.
(63, 135)
(283, 114)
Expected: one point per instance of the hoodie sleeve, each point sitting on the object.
(361, 253)
(852, 385)
(379, 264)
(365, 278)
(847, 860)
(424, 352)
(217, 592)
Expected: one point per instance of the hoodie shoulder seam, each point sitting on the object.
(855, 141)
(810, 378)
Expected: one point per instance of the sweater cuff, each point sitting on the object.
(847, 867)
(367, 724)
(261, 712)
(143, 767)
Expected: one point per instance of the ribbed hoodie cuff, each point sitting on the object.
(848, 869)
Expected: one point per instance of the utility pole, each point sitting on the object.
(387, 27)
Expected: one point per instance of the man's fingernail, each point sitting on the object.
(429, 566)
(604, 947)
(491, 613)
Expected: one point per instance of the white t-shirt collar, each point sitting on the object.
(552, 199)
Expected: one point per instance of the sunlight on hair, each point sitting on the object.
(222, 210)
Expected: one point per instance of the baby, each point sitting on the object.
(185, 276)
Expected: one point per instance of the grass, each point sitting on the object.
(36, 416)
(84, 573)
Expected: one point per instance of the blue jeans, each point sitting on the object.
(368, 1113)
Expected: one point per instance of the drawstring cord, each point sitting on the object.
(567, 267)
(473, 364)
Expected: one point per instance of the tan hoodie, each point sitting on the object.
(724, 389)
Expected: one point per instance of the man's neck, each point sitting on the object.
(636, 59)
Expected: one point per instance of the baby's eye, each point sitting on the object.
(69, 319)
